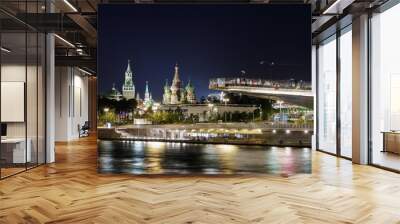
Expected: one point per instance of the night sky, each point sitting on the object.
(207, 41)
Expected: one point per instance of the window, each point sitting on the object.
(385, 88)
(346, 93)
(327, 95)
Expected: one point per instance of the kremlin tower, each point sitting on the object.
(128, 88)
(148, 99)
(167, 93)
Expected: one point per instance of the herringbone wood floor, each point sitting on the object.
(71, 191)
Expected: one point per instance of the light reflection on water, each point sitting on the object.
(184, 158)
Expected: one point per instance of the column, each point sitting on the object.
(314, 91)
(360, 90)
(50, 98)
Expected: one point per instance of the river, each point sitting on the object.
(140, 157)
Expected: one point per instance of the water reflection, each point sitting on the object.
(138, 157)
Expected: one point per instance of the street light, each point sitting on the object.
(280, 102)
(106, 110)
(210, 105)
(225, 100)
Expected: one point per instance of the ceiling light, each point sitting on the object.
(80, 51)
(70, 5)
(84, 71)
(326, 11)
(337, 7)
(5, 50)
(64, 40)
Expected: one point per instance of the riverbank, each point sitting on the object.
(233, 133)
(212, 142)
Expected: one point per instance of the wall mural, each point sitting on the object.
(204, 89)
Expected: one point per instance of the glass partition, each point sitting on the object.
(327, 95)
(13, 94)
(22, 92)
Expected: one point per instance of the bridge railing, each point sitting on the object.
(220, 83)
(243, 125)
(290, 125)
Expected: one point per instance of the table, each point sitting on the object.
(391, 141)
(13, 150)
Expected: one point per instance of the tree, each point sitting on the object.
(108, 116)
(203, 100)
(265, 104)
(121, 109)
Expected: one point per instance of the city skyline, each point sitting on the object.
(228, 40)
(122, 88)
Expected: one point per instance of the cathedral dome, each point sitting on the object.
(114, 94)
(189, 87)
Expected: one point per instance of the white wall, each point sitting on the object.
(14, 73)
(33, 126)
(17, 73)
(71, 102)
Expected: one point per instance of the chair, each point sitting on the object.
(84, 130)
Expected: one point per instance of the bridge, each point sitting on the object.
(290, 91)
